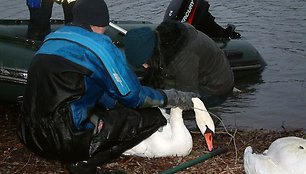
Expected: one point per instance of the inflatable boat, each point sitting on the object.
(16, 53)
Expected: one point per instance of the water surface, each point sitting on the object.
(276, 28)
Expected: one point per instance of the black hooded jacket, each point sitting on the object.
(193, 61)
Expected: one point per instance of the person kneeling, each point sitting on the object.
(82, 102)
(183, 58)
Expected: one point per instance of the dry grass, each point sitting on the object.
(14, 158)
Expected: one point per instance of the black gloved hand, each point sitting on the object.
(179, 99)
(230, 30)
(235, 35)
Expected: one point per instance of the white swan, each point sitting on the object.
(174, 139)
(285, 156)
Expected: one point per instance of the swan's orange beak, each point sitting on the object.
(209, 140)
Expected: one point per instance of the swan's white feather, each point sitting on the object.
(285, 155)
(174, 139)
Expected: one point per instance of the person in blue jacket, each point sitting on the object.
(40, 14)
(82, 102)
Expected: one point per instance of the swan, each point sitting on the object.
(285, 155)
(174, 139)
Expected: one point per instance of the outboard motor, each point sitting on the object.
(196, 13)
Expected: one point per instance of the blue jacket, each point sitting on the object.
(99, 85)
(34, 3)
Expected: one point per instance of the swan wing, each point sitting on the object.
(158, 145)
(259, 164)
(174, 139)
(290, 153)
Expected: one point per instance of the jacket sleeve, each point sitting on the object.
(139, 96)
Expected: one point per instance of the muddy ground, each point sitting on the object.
(15, 158)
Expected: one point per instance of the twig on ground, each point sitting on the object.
(17, 171)
(227, 132)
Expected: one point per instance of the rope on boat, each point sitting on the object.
(195, 161)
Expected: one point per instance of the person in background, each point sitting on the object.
(184, 58)
(40, 14)
(82, 104)
(196, 12)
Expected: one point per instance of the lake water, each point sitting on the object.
(277, 28)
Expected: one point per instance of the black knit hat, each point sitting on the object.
(139, 45)
(91, 12)
(171, 32)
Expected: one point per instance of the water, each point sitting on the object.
(278, 31)
(276, 28)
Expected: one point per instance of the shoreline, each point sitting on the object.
(15, 158)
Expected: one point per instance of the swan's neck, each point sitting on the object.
(176, 117)
(177, 123)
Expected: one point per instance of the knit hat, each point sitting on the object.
(139, 45)
(171, 32)
(91, 12)
(173, 37)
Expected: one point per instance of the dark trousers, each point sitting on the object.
(39, 24)
(122, 129)
(53, 136)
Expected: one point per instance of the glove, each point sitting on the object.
(34, 3)
(179, 99)
(230, 30)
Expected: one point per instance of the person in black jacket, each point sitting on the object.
(196, 12)
(185, 59)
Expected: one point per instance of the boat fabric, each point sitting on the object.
(66, 84)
